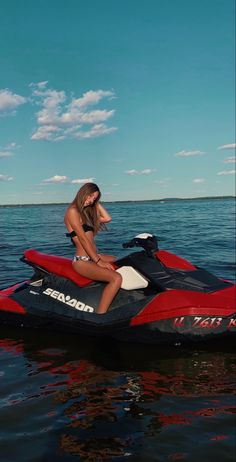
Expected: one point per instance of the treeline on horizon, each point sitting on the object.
(167, 199)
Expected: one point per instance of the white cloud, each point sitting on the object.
(83, 180)
(230, 160)
(163, 181)
(189, 153)
(7, 150)
(92, 97)
(5, 154)
(228, 146)
(64, 179)
(61, 117)
(10, 101)
(198, 180)
(227, 172)
(97, 116)
(132, 172)
(47, 133)
(71, 130)
(5, 178)
(56, 179)
(39, 84)
(146, 171)
(12, 146)
(95, 131)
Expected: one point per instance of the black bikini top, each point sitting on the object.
(85, 227)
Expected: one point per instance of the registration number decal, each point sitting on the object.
(205, 323)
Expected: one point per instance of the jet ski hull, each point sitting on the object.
(171, 317)
(168, 301)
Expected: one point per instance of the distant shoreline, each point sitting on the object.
(167, 199)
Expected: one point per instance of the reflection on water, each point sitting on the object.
(114, 401)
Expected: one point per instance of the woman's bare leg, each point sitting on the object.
(113, 279)
(108, 295)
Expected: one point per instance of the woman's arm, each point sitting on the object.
(103, 215)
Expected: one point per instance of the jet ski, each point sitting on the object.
(164, 299)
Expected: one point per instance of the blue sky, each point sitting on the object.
(137, 96)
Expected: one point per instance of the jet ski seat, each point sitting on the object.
(131, 279)
(61, 266)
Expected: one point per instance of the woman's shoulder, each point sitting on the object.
(72, 208)
(72, 211)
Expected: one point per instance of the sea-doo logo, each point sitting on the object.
(68, 300)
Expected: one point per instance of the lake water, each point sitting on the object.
(65, 399)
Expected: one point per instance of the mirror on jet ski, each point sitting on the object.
(147, 241)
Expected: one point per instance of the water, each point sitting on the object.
(64, 398)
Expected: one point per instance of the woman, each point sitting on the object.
(84, 217)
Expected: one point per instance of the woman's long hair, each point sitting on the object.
(89, 214)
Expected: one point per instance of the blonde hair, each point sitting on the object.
(89, 214)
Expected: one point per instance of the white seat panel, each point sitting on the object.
(131, 279)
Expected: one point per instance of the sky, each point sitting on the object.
(136, 96)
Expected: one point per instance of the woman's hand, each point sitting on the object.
(104, 264)
(107, 258)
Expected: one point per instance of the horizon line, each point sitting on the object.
(125, 201)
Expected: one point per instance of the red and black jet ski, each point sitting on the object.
(164, 299)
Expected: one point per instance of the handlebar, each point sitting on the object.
(149, 244)
(132, 243)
